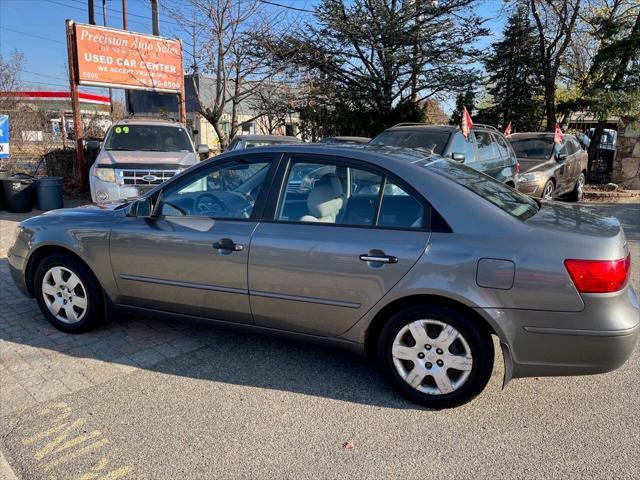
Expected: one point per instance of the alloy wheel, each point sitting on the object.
(547, 194)
(580, 185)
(432, 356)
(64, 295)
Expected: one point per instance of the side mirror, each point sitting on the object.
(561, 156)
(458, 157)
(195, 131)
(203, 149)
(142, 208)
(93, 146)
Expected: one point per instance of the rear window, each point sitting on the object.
(435, 141)
(532, 147)
(503, 197)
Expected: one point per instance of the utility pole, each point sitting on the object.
(124, 14)
(104, 23)
(155, 19)
(92, 13)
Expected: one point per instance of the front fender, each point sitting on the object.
(89, 241)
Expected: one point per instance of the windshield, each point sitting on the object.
(148, 138)
(503, 197)
(413, 139)
(532, 147)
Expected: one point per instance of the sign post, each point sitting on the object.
(4, 136)
(112, 58)
(78, 127)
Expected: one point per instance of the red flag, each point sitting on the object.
(559, 136)
(507, 131)
(467, 123)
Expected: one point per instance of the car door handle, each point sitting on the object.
(365, 257)
(228, 244)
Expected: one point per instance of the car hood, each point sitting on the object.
(87, 210)
(530, 165)
(116, 157)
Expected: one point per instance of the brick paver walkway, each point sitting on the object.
(39, 363)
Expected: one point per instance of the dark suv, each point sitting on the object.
(486, 150)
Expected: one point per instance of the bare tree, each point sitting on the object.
(225, 72)
(272, 102)
(555, 21)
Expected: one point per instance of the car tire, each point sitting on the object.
(548, 190)
(578, 190)
(396, 356)
(68, 294)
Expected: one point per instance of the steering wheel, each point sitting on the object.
(207, 204)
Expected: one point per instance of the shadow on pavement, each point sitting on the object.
(32, 348)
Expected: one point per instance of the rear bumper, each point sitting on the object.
(596, 340)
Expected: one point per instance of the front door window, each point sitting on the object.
(220, 191)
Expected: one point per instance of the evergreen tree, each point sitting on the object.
(466, 99)
(513, 69)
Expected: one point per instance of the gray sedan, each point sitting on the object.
(410, 258)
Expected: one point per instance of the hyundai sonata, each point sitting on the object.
(411, 258)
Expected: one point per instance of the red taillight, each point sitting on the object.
(599, 276)
(518, 167)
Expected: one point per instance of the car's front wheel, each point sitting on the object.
(548, 190)
(68, 294)
(436, 356)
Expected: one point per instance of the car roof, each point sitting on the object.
(271, 138)
(148, 121)
(422, 127)
(381, 155)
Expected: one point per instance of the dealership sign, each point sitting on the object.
(116, 58)
(4, 136)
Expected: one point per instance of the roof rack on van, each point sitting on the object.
(408, 124)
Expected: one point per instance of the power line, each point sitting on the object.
(288, 7)
(32, 35)
(84, 10)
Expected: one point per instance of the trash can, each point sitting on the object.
(3, 174)
(19, 192)
(49, 193)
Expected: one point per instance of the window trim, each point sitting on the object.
(278, 190)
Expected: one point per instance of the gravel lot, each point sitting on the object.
(162, 399)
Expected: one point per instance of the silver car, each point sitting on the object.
(137, 155)
(410, 258)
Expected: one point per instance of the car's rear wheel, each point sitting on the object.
(68, 294)
(435, 356)
(578, 190)
(548, 190)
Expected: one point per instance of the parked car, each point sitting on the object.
(486, 150)
(549, 170)
(240, 142)
(414, 259)
(137, 155)
(348, 140)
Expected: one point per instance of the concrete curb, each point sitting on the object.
(6, 472)
(597, 194)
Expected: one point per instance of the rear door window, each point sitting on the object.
(501, 145)
(487, 149)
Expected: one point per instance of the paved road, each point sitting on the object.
(144, 398)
